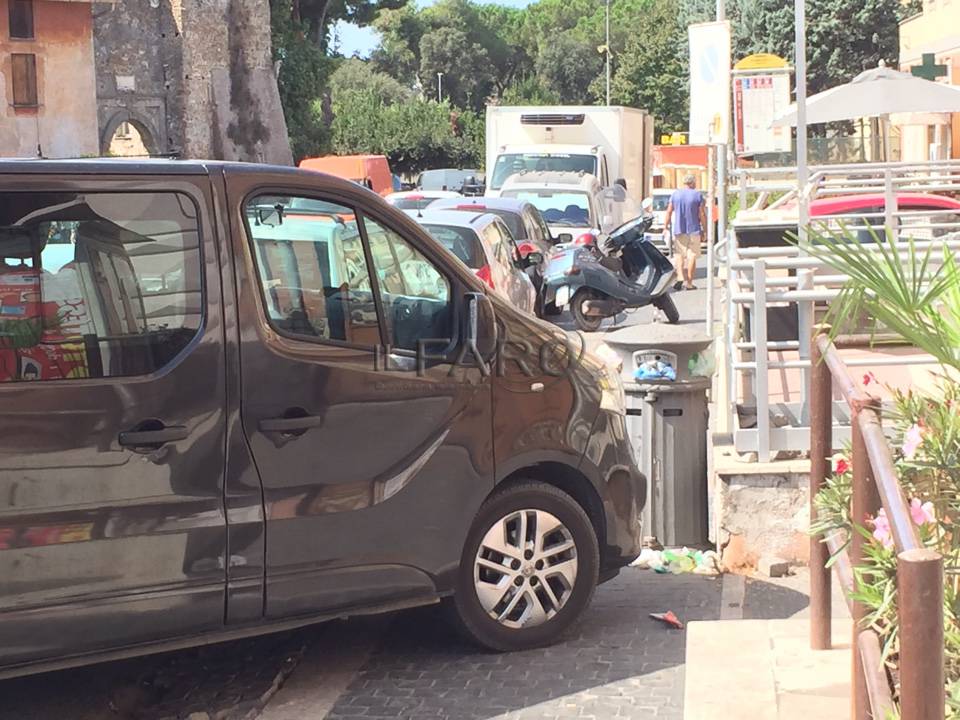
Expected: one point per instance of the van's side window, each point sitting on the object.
(313, 273)
(96, 284)
(415, 295)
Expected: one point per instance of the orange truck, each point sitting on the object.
(371, 171)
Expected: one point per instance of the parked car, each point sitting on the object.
(485, 245)
(525, 222)
(418, 199)
(256, 398)
(574, 205)
(923, 216)
(370, 171)
(447, 179)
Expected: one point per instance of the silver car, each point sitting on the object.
(484, 244)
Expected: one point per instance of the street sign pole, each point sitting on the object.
(802, 170)
(718, 179)
(608, 51)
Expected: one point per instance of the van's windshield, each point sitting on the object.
(511, 163)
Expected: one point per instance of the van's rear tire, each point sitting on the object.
(585, 323)
(529, 568)
(669, 308)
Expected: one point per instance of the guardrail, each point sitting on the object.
(760, 277)
(919, 569)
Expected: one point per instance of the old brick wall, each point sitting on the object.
(203, 77)
(139, 69)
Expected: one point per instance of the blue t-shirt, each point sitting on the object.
(686, 211)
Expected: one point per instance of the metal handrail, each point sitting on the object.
(919, 569)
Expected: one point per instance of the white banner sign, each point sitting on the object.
(757, 100)
(709, 83)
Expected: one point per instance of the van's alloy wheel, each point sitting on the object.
(525, 568)
(528, 569)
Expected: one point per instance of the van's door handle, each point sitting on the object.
(290, 424)
(153, 438)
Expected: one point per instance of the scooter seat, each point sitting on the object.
(613, 264)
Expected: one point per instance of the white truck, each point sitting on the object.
(612, 143)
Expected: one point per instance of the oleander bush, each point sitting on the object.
(915, 294)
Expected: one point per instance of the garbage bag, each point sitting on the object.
(703, 364)
(655, 370)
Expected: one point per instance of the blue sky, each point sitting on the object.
(360, 41)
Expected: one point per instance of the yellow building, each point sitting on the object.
(47, 81)
(935, 31)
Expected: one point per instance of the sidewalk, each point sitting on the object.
(773, 675)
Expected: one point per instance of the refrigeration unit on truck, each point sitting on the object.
(613, 143)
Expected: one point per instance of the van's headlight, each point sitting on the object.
(612, 398)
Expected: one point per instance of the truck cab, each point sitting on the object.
(514, 159)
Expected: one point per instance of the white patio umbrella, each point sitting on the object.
(876, 93)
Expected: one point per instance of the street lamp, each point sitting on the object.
(607, 48)
(439, 87)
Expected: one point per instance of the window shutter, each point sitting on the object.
(24, 79)
(21, 19)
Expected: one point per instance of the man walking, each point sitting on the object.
(689, 222)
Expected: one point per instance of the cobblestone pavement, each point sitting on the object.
(230, 681)
(619, 663)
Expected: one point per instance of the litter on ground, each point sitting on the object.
(668, 618)
(678, 561)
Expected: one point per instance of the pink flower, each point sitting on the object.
(912, 441)
(922, 513)
(869, 378)
(881, 529)
(842, 466)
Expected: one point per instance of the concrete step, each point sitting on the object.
(765, 670)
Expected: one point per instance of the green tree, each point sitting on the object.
(399, 52)
(567, 66)
(529, 90)
(650, 73)
(414, 134)
(355, 74)
(467, 79)
(304, 70)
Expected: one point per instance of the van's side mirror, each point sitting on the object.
(481, 326)
(565, 237)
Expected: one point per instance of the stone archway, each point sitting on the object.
(127, 135)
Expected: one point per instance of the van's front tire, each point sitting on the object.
(528, 570)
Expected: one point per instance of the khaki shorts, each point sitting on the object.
(687, 245)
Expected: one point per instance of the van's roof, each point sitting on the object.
(162, 166)
(118, 166)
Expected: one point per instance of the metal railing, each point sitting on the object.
(759, 278)
(919, 569)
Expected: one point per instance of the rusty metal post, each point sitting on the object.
(865, 503)
(920, 605)
(821, 447)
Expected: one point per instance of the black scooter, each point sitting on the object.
(632, 274)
